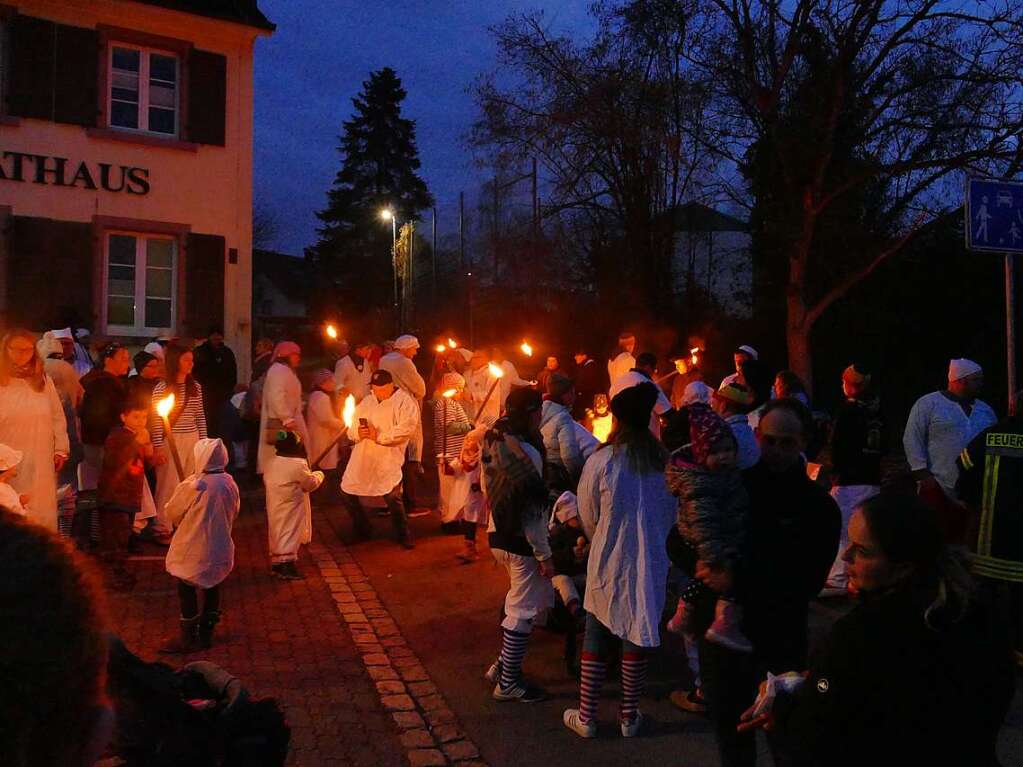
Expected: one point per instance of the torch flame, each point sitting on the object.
(452, 344)
(332, 332)
(441, 348)
(526, 349)
(348, 413)
(165, 406)
(495, 370)
(449, 393)
(694, 355)
(682, 366)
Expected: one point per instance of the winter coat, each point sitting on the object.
(856, 444)
(886, 689)
(713, 510)
(560, 441)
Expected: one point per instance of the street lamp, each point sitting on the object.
(388, 215)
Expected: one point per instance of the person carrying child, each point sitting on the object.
(712, 513)
(202, 510)
(9, 497)
(289, 513)
(126, 451)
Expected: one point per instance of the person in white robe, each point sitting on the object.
(511, 378)
(478, 381)
(382, 426)
(281, 400)
(202, 510)
(626, 512)
(9, 498)
(289, 513)
(323, 420)
(32, 421)
(942, 423)
(625, 360)
(352, 373)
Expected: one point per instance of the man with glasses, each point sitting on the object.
(791, 542)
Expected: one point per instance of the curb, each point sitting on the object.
(429, 730)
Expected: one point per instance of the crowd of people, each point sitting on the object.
(629, 499)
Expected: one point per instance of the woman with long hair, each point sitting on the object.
(32, 420)
(918, 673)
(627, 513)
(188, 423)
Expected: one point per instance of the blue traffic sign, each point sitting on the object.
(994, 215)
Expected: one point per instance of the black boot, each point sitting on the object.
(207, 623)
(187, 641)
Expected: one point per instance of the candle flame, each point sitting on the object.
(495, 370)
(452, 344)
(164, 406)
(449, 393)
(441, 348)
(348, 413)
(332, 332)
(526, 349)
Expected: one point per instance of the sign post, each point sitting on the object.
(994, 224)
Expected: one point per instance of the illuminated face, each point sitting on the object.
(969, 387)
(410, 353)
(20, 350)
(151, 370)
(119, 364)
(869, 569)
(739, 358)
(382, 392)
(294, 360)
(722, 456)
(552, 363)
(186, 363)
(216, 340)
(781, 439)
(134, 419)
(580, 359)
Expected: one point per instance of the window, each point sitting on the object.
(141, 285)
(144, 87)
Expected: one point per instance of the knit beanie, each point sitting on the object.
(632, 406)
(558, 386)
(706, 428)
(289, 445)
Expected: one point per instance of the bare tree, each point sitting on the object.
(854, 122)
(264, 227)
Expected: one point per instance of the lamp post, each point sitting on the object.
(388, 214)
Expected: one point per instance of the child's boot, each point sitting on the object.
(207, 623)
(725, 630)
(188, 639)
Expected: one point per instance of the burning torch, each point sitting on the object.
(497, 374)
(164, 408)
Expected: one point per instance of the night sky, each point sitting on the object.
(309, 70)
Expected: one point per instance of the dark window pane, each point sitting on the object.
(122, 249)
(158, 313)
(124, 115)
(161, 120)
(160, 253)
(163, 68)
(127, 59)
(158, 283)
(121, 311)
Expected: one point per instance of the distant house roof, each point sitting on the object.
(241, 11)
(696, 217)
(289, 274)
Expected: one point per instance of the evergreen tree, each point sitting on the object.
(352, 259)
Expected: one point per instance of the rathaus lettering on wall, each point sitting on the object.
(58, 171)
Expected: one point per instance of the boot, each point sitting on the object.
(726, 629)
(468, 554)
(187, 642)
(207, 623)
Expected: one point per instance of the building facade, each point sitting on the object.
(126, 166)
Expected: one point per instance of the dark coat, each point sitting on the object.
(791, 544)
(217, 372)
(856, 444)
(885, 689)
(589, 381)
(100, 409)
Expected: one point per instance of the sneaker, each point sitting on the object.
(725, 629)
(689, 700)
(631, 727)
(573, 721)
(679, 622)
(522, 692)
(286, 571)
(494, 672)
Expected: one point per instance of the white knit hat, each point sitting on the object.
(9, 457)
(961, 368)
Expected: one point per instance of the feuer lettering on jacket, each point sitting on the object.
(59, 171)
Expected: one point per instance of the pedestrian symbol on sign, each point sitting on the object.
(994, 215)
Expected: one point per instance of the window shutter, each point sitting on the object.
(76, 90)
(207, 97)
(204, 283)
(52, 259)
(32, 67)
